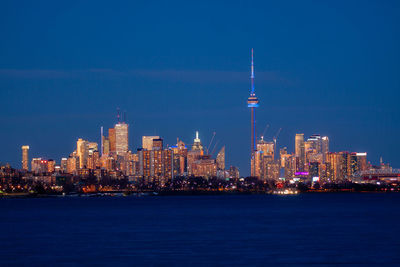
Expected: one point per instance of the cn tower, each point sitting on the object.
(252, 103)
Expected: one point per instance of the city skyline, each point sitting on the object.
(205, 133)
(318, 71)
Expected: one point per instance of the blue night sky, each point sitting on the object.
(177, 67)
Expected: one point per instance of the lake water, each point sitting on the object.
(317, 229)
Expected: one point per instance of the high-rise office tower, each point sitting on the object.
(324, 146)
(267, 148)
(25, 158)
(63, 164)
(315, 143)
(51, 165)
(197, 146)
(106, 146)
(82, 152)
(252, 103)
(147, 142)
(112, 140)
(300, 151)
(121, 138)
(180, 158)
(221, 159)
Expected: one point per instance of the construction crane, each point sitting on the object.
(275, 138)
(265, 130)
(215, 146)
(209, 145)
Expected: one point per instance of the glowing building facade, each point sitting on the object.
(25, 158)
(121, 138)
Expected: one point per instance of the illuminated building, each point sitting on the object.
(72, 164)
(93, 161)
(221, 159)
(112, 140)
(156, 165)
(283, 155)
(271, 170)
(180, 158)
(233, 172)
(168, 156)
(257, 163)
(314, 169)
(144, 161)
(106, 146)
(324, 147)
(358, 163)
(266, 147)
(39, 165)
(194, 154)
(204, 166)
(121, 138)
(147, 142)
(262, 159)
(252, 103)
(315, 143)
(300, 151)
(158, 144)
(25, 158)
(82, 152)
(51, 164)
(338, 166)
(63, 164)
(290, 166)
(197, 146)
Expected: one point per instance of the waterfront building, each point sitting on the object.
(204, 166)
(82, 152)
(25, 158)
(234, 172)
(180, 158)
(300, 151)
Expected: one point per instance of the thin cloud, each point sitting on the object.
(185, 76)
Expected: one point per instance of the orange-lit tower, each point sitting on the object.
(252, 103)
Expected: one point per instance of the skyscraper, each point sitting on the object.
(82, 152)
(324, 146)
(121, 138)
(197, 146)
(252, 103)
(300, 151)
(147, 142)
(221, 159)
(112, 138)
(25, 158)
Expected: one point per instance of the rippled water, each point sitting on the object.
(203, 230)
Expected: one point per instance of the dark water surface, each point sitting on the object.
(317, 229)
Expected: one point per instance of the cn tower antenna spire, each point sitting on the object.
(252, 73)
(252, 103)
